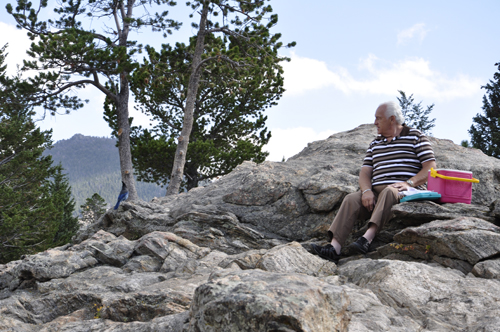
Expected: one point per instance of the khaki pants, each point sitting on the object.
(352, 209)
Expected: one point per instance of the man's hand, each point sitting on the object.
(400, 186)
(368, 200)
(365, 182)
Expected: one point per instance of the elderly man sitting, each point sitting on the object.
(400, 157)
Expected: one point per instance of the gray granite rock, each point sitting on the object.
(230, 257)
(254, 300)
(293, 258)
(417, 213)
(143, 263)
(154, 244)
(489, 269)
(439, 299)
(53, 264)
(468, 239)
(115, 252)
(260, 206)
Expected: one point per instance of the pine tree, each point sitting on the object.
(27, 213)
(69, 57)
(244, 27)
(415, 116)
(60, 193)
(485, 129)
(228, 121)
(93, 208)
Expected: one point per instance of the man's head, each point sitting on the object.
(388, 118)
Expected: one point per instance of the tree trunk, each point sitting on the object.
(192, 90)
(126, 167)
(122, 99)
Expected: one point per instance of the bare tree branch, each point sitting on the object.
(117, 21)
(75, 83)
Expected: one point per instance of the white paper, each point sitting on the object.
(413, 191)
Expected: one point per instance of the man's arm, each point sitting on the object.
(365, 182)
(418, 179)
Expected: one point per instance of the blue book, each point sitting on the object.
(423, 196)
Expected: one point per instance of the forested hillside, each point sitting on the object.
(93, 166)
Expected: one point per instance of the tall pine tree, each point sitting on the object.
(213, 87)
(485, 129)
(60, 193)
(228, 120)
(27, 213)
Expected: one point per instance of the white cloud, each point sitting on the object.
(417, 31)
(286, 143)
(412, 75)
(18, 44)
(303, 74)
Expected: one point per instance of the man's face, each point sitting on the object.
(384, 125)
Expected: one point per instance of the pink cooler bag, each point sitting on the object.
(454, 186)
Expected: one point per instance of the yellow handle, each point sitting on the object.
(434, 174)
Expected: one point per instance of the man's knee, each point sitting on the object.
(352, 198)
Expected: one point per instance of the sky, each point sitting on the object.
(350, 57)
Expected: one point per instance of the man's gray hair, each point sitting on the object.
(393, 109)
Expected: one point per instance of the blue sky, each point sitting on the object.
(350, 57)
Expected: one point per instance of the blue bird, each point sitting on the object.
(123, 195)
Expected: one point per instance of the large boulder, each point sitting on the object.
(437, 298)
(254, 300)
(263, 205)
(468, 239)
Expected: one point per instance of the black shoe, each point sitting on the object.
(361, 246)
(327, 252)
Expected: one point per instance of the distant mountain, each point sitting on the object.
(93, 166)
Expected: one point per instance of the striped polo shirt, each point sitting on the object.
(399, 159)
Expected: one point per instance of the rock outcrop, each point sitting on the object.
(233, 256)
